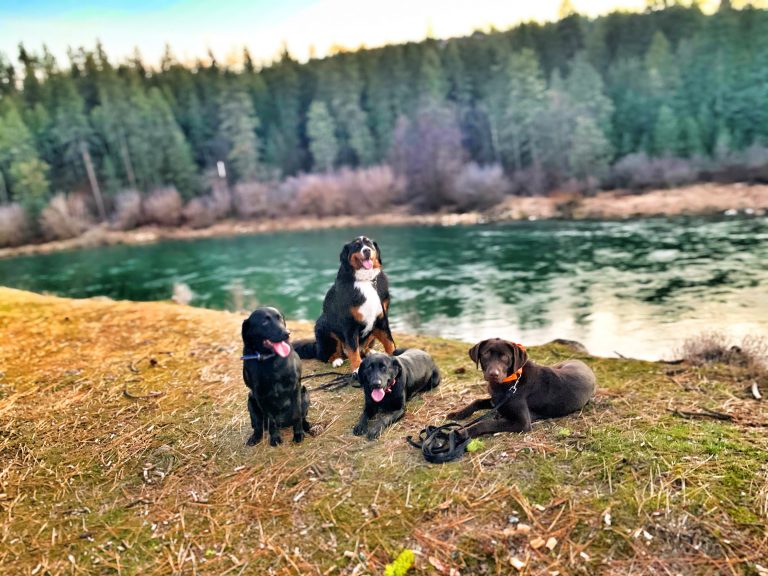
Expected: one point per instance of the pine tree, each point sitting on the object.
(24, 174)
(666, 134)
(590, 150)
(526, 95)
(238, 124)
(322, 137)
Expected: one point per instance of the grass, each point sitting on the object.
(95, 482)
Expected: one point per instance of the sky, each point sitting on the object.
(306, 27)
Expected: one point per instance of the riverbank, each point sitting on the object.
(122, 429)
(700, 199)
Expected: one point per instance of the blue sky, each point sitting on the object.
(192, 27)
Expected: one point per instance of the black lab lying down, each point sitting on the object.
(272, 373)
(524, 391)
(388, 382)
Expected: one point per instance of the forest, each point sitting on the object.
(627, 100)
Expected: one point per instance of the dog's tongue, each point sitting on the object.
(367, 264)
(377, 394)
(282, 349)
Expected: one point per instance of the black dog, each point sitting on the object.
(354, 310)
(388, 382)
(524, 391)
(272, 372)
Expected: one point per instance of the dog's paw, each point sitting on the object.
(373, 433)
(457, 415)
(359, 429)
(253, 440)
(275, 440)
(298, 437)
(338, 362)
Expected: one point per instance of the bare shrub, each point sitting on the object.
(531, 181)
(427, 151)
(638, 171)
(321, 195)
(198, 214)
(344, 192)
(716, 348)
(479, 187)
(13, 225)
(250, 199)
(127, 213)
(162, 206)
(65, 216)
(371, 189)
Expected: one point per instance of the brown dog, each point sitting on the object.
(539, 391)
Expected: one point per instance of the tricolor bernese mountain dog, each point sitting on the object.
(354, 310)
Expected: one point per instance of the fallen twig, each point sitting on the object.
(147, 397)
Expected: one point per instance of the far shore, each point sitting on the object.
(694, 200)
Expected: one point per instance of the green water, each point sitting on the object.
(636, 287)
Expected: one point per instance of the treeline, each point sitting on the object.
(631, 100)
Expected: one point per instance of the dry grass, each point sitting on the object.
(716, 348)
(94, 481)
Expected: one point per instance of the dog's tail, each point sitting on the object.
(306, 349)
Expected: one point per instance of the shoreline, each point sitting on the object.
(695, 200)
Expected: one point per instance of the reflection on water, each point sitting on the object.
(636, 287)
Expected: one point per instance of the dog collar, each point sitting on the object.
(514, 377)
(257, 356)
(517, 374)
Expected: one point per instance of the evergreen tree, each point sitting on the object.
(322, 137)
(238, 126)
(666, 134)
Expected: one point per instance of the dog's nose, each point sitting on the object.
(494, 373)
(376, 382)
(367, 252)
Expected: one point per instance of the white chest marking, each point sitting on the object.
(371, 308)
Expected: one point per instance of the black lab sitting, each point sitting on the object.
(272, 373)
(388, 382)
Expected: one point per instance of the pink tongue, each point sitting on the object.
(377, 394)
(367, 264)
(282, 349)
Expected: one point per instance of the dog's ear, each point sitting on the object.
(246, 328)
(344, 256)
(397, 368)
(474, 352)
(378, 252)
(519, 355)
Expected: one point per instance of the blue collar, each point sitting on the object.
(257, 356)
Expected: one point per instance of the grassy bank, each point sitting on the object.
(701, 199)
(122, 430)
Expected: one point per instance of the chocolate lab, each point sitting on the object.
(272, 373)
(525, 390)
(388, 382)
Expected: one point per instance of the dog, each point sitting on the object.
(523, 391)
(388, 382)
(272, 373)
(354, 310)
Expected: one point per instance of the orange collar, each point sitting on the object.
(516, 375)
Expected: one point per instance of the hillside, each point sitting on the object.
(122, 430)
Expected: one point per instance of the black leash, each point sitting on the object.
(341, 380)
(440, 444)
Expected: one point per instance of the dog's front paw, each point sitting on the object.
(373, 433)
(275, 440)
(298, 437)
(338, 362)
(457, 415)
(359, 429)
(253, 440)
